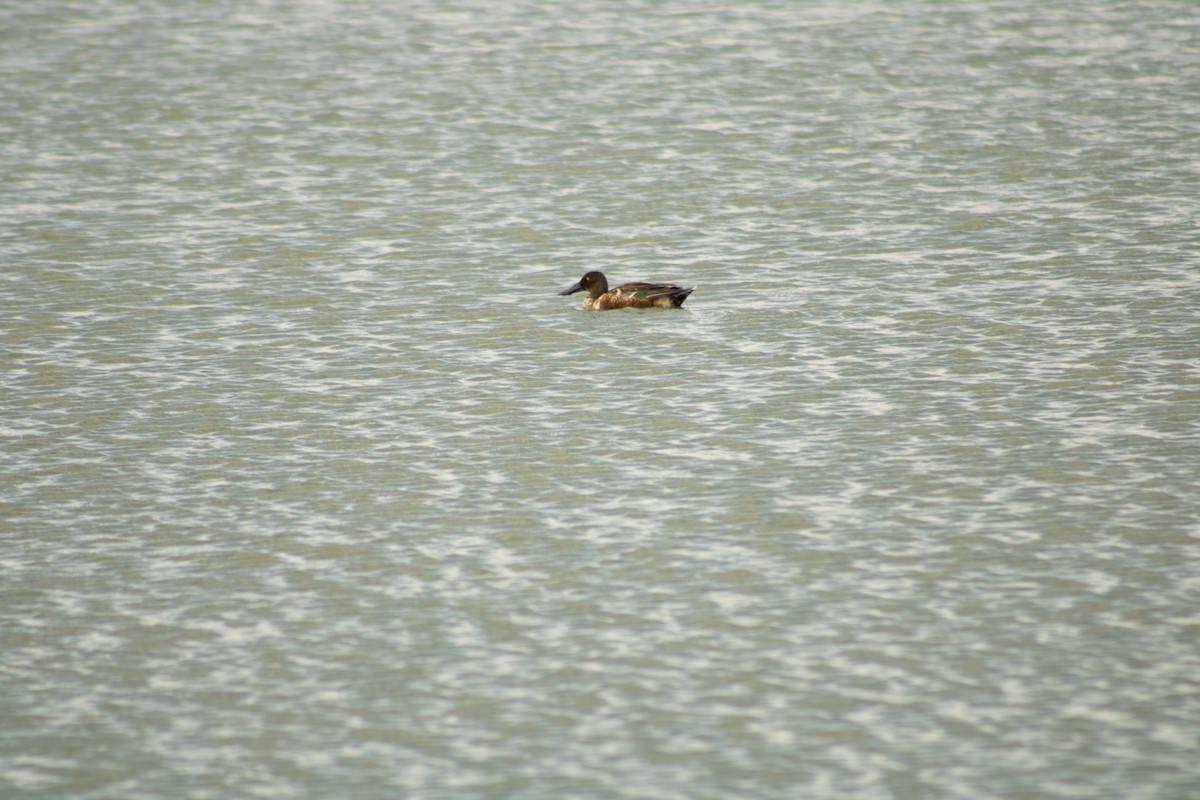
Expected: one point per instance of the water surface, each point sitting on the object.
(312, 486)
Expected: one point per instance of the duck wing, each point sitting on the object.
(650, 291)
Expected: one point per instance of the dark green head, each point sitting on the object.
(594, 283)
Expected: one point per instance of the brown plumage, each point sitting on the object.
(628, 295)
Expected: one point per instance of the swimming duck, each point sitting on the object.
(627, 295)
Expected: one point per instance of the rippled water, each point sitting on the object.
(312, 486)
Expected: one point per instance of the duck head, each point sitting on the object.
(594, 283)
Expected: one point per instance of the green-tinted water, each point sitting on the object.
(312, 486)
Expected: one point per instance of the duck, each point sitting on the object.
(637, 294)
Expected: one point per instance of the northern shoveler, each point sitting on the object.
(627, 295)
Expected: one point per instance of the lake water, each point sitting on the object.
(311, 485)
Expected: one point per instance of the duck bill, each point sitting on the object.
(577, 286)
